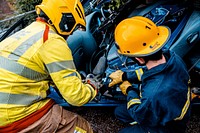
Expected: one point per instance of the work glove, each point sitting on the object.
(124, 86)
(116, 78)
(94, 81)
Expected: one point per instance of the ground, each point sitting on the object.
(6, 9)
(103, 120)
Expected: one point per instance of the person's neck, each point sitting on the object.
(153, 63)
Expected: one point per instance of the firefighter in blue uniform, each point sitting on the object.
(31, 60)
(162, 102)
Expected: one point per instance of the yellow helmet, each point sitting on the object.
(65, 15)
(139, 36)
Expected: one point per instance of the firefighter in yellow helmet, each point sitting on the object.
(162, 103)
(32, 59)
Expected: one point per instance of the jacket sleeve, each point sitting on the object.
(58, 61)
(140, 109)
(134, 76)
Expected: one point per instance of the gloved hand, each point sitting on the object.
(124, 86)
(116, 78)
(94, 81)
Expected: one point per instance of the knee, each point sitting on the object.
(117, 112)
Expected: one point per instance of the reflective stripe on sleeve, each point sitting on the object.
(132, 102)
(93, 93)
(133, 123)
(186, 106)
(139, 73)
(21, 70)
(72, 74)
(18, 99)
(58, 66)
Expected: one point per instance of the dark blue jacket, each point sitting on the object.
(164, 96)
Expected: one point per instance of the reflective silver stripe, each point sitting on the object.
(72, 74)
(58, 66)
(19, 99)
(91, 90)
(19, 51)
(21, 70)
(133, 123)
(132, 102)
(20, 34)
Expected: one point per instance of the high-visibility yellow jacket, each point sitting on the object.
(28, 65)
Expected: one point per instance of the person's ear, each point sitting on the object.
(140, 60)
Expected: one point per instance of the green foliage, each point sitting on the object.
(26, 5)
(114, 5)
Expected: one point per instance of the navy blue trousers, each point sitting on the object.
(122, 114)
